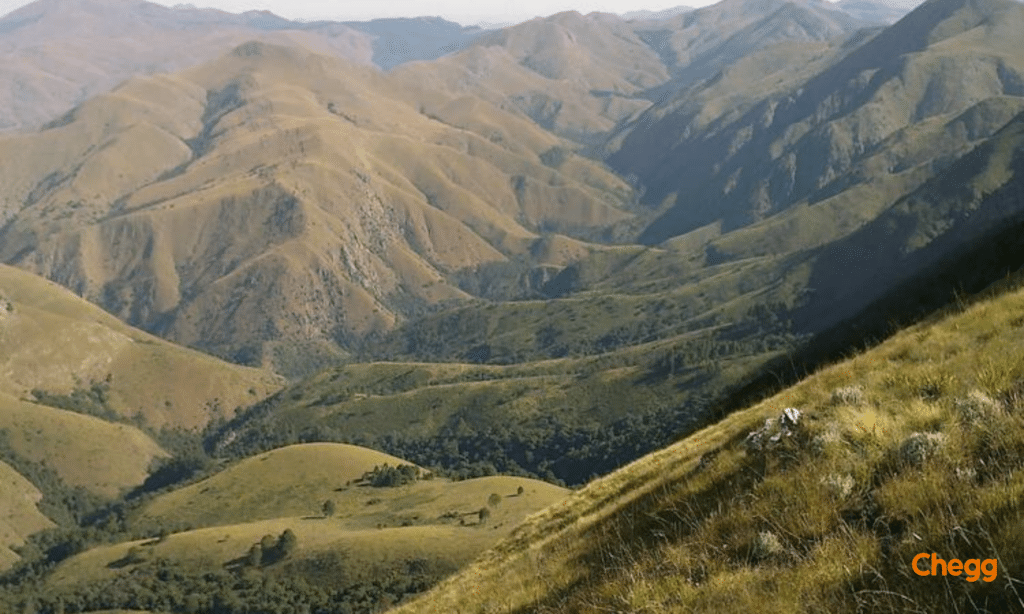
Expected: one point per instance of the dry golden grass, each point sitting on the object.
(294, 481)
(925, 458)
(84, 451)
(371, 528)
(339, 187)
(19, 516)
(52, 340)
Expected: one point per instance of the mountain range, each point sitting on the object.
(319, 313)
(58, 53)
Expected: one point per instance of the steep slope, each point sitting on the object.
(877, 12)
(873, 124)
(975, 203)
(400, 40)
(667, 335)
(58, 53)
(583, 75)
(702, 42)
(347, 208)
(67, 351)
(913, 446)
(573, 74)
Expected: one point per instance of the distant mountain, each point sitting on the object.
(875, 11)
(870, 122)
(582, 76)
(56, 53)
(400, 40)
(275, 197)
(662, 14)
(698, 44)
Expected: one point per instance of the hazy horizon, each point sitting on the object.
(465, 12)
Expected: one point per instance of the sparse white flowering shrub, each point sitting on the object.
(839, 485)
(919, 447)
(977, 407)
(848, 395)
(767, 545)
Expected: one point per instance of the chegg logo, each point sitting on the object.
(973, 568)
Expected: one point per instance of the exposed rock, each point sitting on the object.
(774, 431)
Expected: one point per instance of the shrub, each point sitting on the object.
(919, 447)
(848, 395)
(977, 407)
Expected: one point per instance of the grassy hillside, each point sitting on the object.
(912, 446)
(835, 144)
(21, 516)
(344, 207)
(80, 357)
(221, 538)
(56, 54)
(100, 456)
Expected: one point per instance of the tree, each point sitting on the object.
(328, 508)
(494, 499)
(268, 543)
(484, 514)
(255, 558)
(520, 491)
(287, 543)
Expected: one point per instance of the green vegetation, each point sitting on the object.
(913, 446)
(163, 586)
(388, 476)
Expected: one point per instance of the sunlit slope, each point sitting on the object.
(289, 481)
(55, 342)
(913, 446)
(20, 516)
(101, 456)
(346, 208)
(370, 531)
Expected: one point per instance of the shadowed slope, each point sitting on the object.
(872, 122)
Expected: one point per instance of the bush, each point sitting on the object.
(848, 395)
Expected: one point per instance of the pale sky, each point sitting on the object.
(463, 11)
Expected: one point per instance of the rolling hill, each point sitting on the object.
(62, 348)
(76, 388)
(425, 529)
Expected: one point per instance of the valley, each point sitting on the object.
(342, 316)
